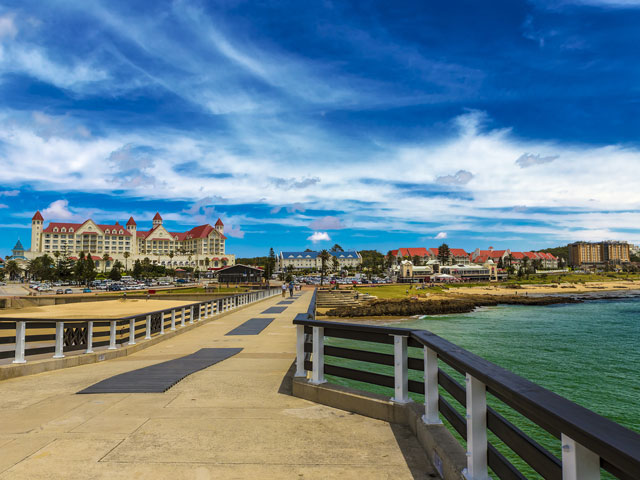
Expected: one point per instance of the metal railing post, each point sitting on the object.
(132, 331)
(59, 353)
(191, 314)
(182, 318)
(89, 337)
(400, 368)
(317, 374)
(173, 319)
(477, 445)
(431, 416)
(578, 462)
(161, 323)
(112, 335)
(20, 342)
(148, 329)
(300, 370)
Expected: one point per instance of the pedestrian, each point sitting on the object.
(284, 289)
(291, 287)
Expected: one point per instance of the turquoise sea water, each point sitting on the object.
(589, 353)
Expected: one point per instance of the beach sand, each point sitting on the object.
(549, 289)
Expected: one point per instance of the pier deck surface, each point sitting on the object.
(232, 420)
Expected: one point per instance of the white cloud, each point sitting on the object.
(319, 237)
(441, 235)
(461, 177)
(9, 193)
(233, 231)
(7, 26)
(4, 205)
(327, 223)
(59, 210)
(528, 160)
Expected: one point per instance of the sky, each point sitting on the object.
(374, 125)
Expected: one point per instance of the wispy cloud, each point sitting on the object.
(327, 223)
(461, 177)
(528, 160)
(317, 237)
(441, 235)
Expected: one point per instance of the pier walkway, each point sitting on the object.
(234, 419)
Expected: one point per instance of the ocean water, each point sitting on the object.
(589, 353)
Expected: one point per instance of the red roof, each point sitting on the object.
(1, 260)
(394, 253)
(531, 255)
(414, 252)
(76, 226)
(458, 252)
(157, 216)
(37, 216)
(517, 255)
(434, 251)
(219, 223)
(131, 221)
(496, 253)
(481, 259)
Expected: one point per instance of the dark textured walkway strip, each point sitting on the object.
(253, 326)
(162, 376)
(275, 310)
(285, 302)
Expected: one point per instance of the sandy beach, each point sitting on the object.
(552, 289)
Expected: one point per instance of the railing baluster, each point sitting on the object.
(477, 446)
(182, 317)
(21, 328)
(89, 337)
(578, 462)
(173, 319)
(161, 323)
(400, 368)
(191, 314)
(132, 331)
(59, 353)
(148, 328)
(112, 335)
(300, 370)
(317, 375)
(431, 416)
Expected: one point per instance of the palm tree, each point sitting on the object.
(171, 255)
(324, 258)
(13, 269)
(105, 259)
(336, 264)
(126, 255)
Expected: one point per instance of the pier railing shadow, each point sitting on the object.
(587, 443)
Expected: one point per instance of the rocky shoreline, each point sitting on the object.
(441, 306)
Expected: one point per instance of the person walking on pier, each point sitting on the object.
(291, 287)
(284, 289)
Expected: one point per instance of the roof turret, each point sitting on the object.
(38, 216)
(157, 216)
(219, 223)
(131, 221)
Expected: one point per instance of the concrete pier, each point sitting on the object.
(235, 419)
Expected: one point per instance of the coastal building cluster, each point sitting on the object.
(201, 248)
(599, 253)
(310, 260)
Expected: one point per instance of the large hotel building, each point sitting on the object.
(202, 247)
(586, 253)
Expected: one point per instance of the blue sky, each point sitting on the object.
(303, 124)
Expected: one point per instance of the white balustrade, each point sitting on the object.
(148, 328)
(317, 374)
(132, 331)
(431, 416)
(182, 314)
(112, 335)
(578, 462)
(161, 323)
(173, 319)
(21, 328)
(300, 370)
(89, 337)
(477, 445)
(400, 368)
(59, 353)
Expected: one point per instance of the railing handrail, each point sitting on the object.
(153, 312)
(613, 442)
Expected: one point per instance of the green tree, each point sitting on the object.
(443, 254)
(336, 264)
(137, 270)
(270, 265)
(105, 259)
(324, 259)
(126, 255)
(78, 268)
(115, 273)
(89, 270)
(336, 248)
(13, 269)
(415, 260)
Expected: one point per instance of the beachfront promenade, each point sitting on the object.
(234, 419)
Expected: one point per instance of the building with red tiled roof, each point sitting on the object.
(193, 248)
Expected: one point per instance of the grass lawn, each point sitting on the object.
(395, 291)
(133, 293)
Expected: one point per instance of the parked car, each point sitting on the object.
(59, 291)
(114, 288)
(86, 290)
(68, 290)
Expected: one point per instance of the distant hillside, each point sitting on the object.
(258, 261)
(558, 251)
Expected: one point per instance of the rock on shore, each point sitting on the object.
(440, 306)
